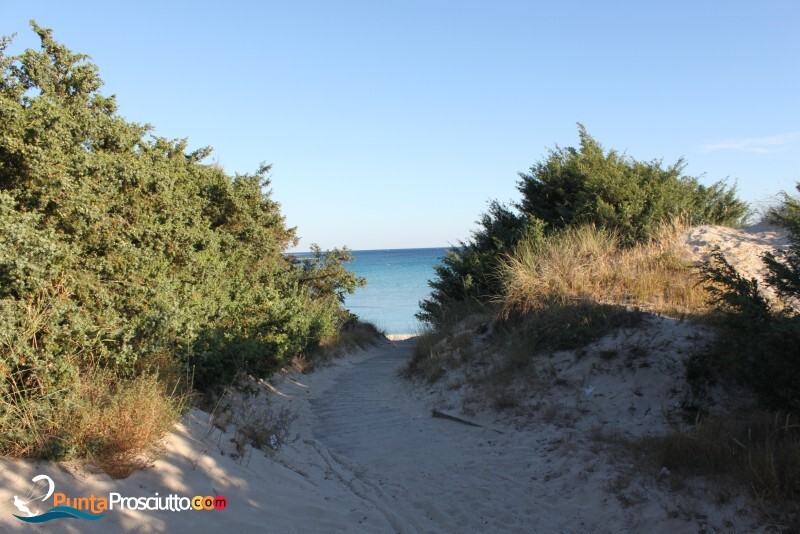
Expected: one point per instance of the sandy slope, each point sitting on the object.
(742, 247)
(372, 459)
(297, 489)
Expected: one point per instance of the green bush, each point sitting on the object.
(784, 269)
(634, 198)
(574, 187)
(467, 271)
(125, 252)
(758, 345)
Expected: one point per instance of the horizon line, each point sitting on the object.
(372, 249)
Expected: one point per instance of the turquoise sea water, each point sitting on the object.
(396, 281)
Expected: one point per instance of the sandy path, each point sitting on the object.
(422, 473)
(425, 474)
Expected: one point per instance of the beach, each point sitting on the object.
(371, 456)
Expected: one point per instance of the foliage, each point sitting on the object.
(124, 252)
(588, 185)
(575, 187)
(467, 271)
(784, 269)
(259, 425)
(756, 347)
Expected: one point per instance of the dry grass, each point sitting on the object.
(428, 360)
(561, 326)
(757, 451)
(437, 350)
(764, 447)
(119, 423)
(115, 423)
(359, 335)
(354, 335)
(462, 346)
(255, 421)
(587, 263)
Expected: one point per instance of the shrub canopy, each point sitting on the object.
(634, 198)
(125, 251)
(571, 187)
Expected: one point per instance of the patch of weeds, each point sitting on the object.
(257, 424)
(759, 452)
(270, 429)
(551, 412)
(638, 352)
(504, 399)
(572, 326)
(353, 335)
(462, 345)
(455, 384)
(562, 327)
(608, 354)
(426, 359)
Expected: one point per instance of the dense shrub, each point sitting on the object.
(466, 272)
(759, 345)
(784, 270)
(634, 198)
(123, 251)
(573, 187)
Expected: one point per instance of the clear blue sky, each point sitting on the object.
(390, 124)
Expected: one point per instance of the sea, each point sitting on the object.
(397, 280)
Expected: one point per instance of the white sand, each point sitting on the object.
(743, 248)
(372, 459)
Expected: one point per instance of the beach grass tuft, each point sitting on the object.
(587, 263)
(115, 423)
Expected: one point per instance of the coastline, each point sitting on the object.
(400, 337)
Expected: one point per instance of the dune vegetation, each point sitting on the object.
(132, 271)
(593, 243)
(592, 226)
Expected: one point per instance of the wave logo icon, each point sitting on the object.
(42, 488)
(59, 512)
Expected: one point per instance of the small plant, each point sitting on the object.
(257, 424)
(270, 429)
(504, 399)
(462, 345)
